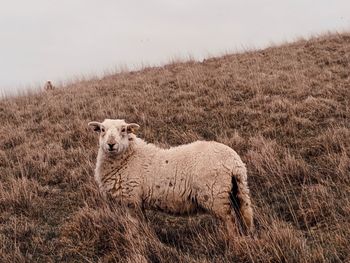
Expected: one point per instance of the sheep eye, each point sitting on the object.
(102, 129)
(123, 129)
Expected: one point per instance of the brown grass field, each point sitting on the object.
(285, 110)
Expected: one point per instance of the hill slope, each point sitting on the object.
(285, 110)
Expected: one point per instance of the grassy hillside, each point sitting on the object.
(285, 110)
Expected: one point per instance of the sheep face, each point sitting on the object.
(114, 135)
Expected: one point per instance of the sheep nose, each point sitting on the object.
(111, 146)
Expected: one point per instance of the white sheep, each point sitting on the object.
(203, 175)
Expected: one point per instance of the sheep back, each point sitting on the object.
(197, 175)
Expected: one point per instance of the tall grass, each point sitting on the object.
(285, 110)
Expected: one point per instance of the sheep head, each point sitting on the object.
(115, 135)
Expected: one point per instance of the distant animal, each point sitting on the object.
(203, 175)
(48, 86)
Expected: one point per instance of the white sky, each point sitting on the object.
(61, 39)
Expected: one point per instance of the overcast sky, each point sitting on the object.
(61, 39)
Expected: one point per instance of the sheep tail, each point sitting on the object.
(240, 201)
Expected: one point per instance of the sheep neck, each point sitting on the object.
(117, 161)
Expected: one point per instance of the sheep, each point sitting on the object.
(203, 175)
(48, 86)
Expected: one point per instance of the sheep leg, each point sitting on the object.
(143, 211)
(240, 200)
(231, 225)
(134, 208)
(223, 210)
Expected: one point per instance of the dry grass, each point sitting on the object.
(285, 110)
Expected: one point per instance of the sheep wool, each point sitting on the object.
(203, 175)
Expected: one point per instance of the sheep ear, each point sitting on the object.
(96, 126)
(133, 128)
